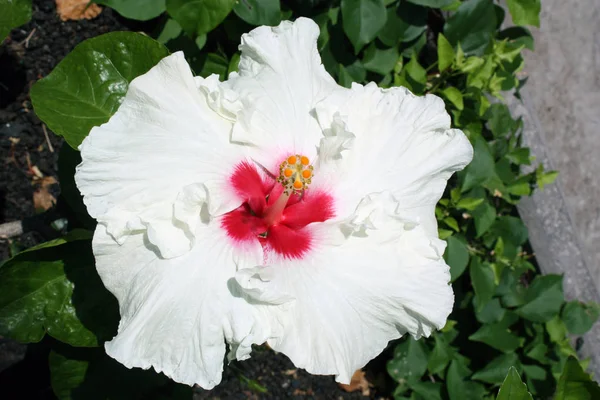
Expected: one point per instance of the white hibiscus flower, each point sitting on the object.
(275, 206)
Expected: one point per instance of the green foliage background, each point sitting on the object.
(510, 324)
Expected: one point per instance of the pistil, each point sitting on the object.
(295, 174)
(273, 213)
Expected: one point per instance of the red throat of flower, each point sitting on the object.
(276, 211)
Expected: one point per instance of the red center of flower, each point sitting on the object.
(276, 210)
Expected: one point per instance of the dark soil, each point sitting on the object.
(30, 53)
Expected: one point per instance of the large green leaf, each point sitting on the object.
(427, 391)
(363, 19)
(404, 23)
(460, 388)
(495, 371)
(579, 317)
(575, 384)
(456, 256)
(513, 388)
(197, 17)
(525, 12)
(473, 26)
(141, 10)
(440, 356)
(483, 218)
(13, 13)
(490, 312)
(89, 374)
(482, 169)
(543, 298)
(431, 3)
(513, 232)
(498, 337)
(380, 60)
(482, 278)
(259, 12)
(409, 362)
(54, 288)
(445, 53)
(88, 85)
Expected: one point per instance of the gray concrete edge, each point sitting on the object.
(552, 233)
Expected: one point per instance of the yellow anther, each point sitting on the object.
(295, 173)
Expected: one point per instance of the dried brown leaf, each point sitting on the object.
(77, 9)
(42, 198)
(358, 382)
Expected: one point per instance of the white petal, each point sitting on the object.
(340, 306)
(403, 143)
(177, 314)
(163, 138)
(280, 80)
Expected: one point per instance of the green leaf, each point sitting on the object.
(482, 168)
(197, 17)
(431, 3)
(513, 388)
(445, 54)
(13, 13)
(404, 23)
(409, 362)
(513, 232)
(171, 30)
(440, 356)
(141, 10)
(483, 280)
(91, 374)
(535, 372)
(490, 312)
(546, 178)
(518, 35)
(500, 121)
(459, 388)
(381, 61)
(213, 63)
(427, 391)
(575, 384)
(580, 317)
(88, 85)
(456, 256)
(452, 223)
(259, 12)
(498, 337)
(473, 26)
(543, 299)
(495, 371)
(520, 155)
(344, 77)
(525, 12)
(412, 76)
(54, 288)
(469, 203)
(483, 217)
(454, 96)
(363, 19)
(557, 329)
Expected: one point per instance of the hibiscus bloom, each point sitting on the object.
(276, 206)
